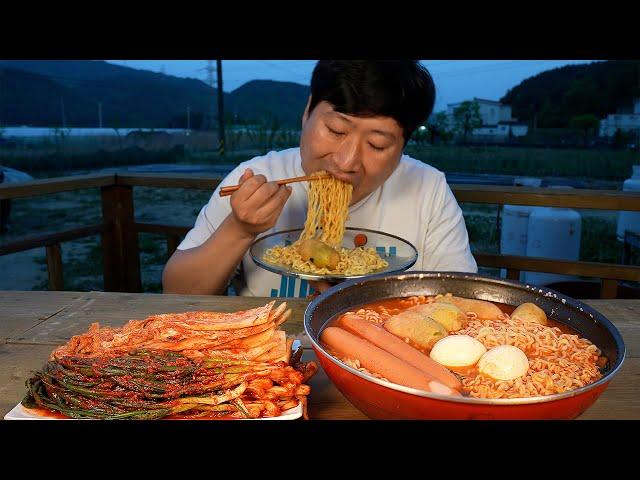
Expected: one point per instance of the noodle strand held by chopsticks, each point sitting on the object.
(327, 214)
(328, 209)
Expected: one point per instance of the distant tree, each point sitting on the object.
(467, 117)
(583, 96)
(438, 126)
(588, 123)
(554, 96)
(420, 135)
(551, 115)
(622, 139)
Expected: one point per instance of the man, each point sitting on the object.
(358, 119)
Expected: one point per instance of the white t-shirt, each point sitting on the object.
(415, 203)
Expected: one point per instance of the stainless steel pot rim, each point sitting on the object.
(479, 401)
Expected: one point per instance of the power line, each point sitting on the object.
(428, 63)
(278, 66)
(30, 74)
(210, 69)
(496, 67)
(24, 73)
(220, 109)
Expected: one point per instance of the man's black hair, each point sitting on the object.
(400, 89)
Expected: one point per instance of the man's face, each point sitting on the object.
(361, 151)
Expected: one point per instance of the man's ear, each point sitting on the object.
(305, 115)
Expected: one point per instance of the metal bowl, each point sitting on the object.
(399, 253)
(379, 399)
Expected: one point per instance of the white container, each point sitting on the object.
(553, 233)
(629, 220)
(514, 232)
(515, 225)
(527, 182)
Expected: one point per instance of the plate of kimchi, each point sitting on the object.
(189, 365)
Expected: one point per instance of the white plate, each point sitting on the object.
(399, 253)
(20, 413)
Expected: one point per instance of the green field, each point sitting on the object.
(613, 165)
(582, 163)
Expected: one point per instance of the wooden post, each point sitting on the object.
(609, 288)
(626, 253)
(120, 241)
(513, 274)
(54, 267)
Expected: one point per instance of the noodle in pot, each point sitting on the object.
(558, 362)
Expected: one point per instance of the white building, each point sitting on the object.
(496, 119)
(627, 122)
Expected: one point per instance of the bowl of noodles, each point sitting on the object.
(449, 345)
(325, 249)
(380, 253)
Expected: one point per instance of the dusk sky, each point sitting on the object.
(456, 80)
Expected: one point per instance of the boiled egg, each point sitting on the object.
(457, 351)
(504, 362)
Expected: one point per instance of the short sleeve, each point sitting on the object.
(212, 213)
(446, 239)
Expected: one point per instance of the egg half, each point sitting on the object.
(504, 362)
(457, 351)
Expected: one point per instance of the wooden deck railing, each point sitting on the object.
(119, 230)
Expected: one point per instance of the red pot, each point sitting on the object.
(379, 399)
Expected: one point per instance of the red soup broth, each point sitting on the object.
(393, 306)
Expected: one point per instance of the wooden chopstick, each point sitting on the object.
(228, 190)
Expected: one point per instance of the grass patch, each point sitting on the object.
(483, 236)
(600, 164)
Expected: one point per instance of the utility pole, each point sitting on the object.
(210, 69)
(188, 120)
(220, 110)
(100, 114)
(208, 117)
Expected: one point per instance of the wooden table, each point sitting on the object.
(33, 323)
